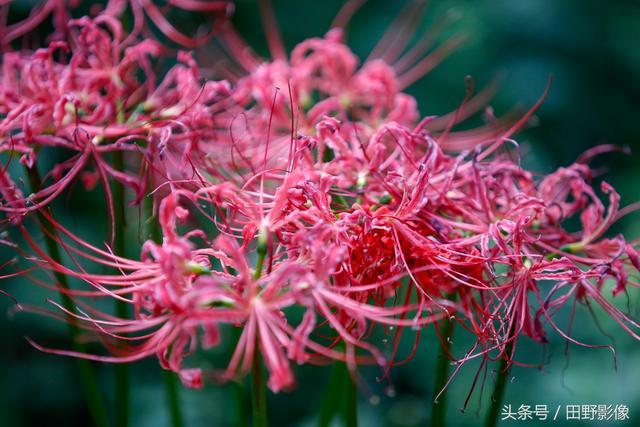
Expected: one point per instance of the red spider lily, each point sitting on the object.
(95, 105)
(364, 216)
(72, 106)
(327, 69)
(174, 293)
(480, 229)
(166, 294)
(97, 88)
(323, 77)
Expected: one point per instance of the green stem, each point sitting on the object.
(332, 396)
(239, 392)
(121, 370)
(341, 397)
(499, 389)
(171, 384)
(262, 253)
(87, 375)
(350, 400)
(171, 388)
(439, 405)
(258, 390)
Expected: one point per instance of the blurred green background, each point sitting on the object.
(590, 47)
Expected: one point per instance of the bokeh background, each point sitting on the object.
(591, 49)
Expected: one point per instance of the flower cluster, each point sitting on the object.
(302, 202)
